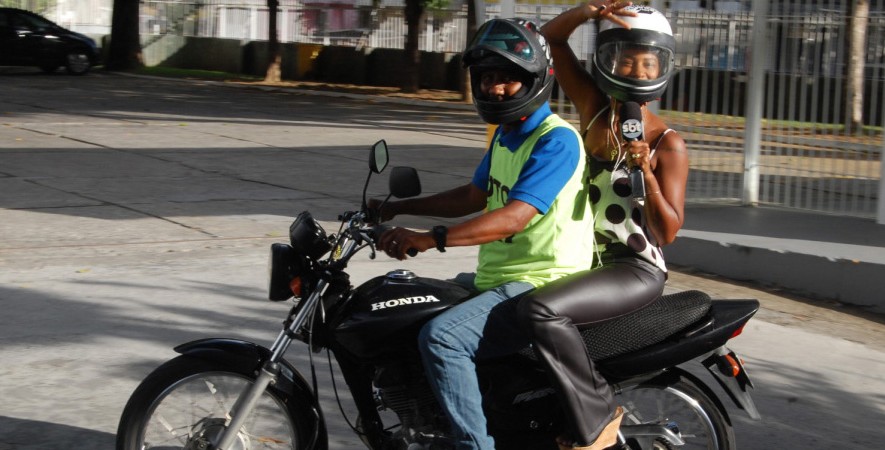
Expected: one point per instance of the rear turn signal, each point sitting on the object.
(733, 364)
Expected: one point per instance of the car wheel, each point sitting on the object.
(77, 62)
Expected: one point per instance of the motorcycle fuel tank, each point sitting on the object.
(383, 316)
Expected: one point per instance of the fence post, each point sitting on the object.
(508, 9)
(480, 13)
(755, 91)
(880, 207)
(654, 107)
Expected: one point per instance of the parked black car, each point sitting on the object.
(28, 39)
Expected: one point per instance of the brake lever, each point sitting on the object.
(371, 243)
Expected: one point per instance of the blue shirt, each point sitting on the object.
(547, 170)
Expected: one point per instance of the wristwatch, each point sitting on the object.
(440, 233)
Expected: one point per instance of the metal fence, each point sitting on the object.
(807, 160)
(353, 23)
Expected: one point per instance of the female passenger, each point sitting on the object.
(633, 62)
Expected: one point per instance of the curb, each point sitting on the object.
(314, 92)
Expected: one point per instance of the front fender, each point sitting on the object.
(248, 357)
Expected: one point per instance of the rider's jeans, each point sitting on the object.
(482, 327)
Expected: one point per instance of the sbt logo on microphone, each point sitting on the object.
(631, 129)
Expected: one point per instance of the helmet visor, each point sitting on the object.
(505, 38)
(628, 60)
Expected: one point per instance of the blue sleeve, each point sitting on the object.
(553, 162)
(481, 174)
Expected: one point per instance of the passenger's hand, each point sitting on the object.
(398, 241)
(638, 155)
(610, 10)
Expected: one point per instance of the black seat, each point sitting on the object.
(664, 317)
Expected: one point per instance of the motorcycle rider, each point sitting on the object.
(633, 62)
(534, 228)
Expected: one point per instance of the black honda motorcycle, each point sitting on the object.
(226, 394)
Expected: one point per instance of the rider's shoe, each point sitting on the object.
(607, 438)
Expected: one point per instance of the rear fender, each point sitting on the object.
(728, 370)
(248, 357)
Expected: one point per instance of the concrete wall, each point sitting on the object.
(367, 66)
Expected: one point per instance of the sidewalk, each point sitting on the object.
(816, 255)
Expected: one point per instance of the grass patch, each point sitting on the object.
(171, 72)
(719, 120)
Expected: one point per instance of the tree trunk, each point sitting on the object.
(472, 25)
(414, 19)
(124, 52)
(857, 34)
(274, 58)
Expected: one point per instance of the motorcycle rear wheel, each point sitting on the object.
(183, 404)
(685, 406)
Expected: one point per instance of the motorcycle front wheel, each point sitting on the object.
(183, 405)
(682, 404)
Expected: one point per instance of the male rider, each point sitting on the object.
(536, 226)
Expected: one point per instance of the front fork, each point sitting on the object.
(269, 371)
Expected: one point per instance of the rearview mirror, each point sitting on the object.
(404, 182)
(378, 158)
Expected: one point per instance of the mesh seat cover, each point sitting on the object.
(664, 317)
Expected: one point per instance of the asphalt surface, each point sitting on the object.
(135, 214)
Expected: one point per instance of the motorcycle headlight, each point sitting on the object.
(284, 267)
(307, 236)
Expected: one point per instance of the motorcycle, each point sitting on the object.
(226, 394)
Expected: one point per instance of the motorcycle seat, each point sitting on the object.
(662, 318)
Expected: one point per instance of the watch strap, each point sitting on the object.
(440, 234)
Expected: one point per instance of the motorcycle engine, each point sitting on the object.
(403, 389)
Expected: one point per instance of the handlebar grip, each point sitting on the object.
(377, 230)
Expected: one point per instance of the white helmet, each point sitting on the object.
(635, 64)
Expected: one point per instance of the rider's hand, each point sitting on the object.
(398, 241)
(377, 214)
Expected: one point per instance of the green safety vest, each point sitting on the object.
(552, 245)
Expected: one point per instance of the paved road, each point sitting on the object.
(136, 214)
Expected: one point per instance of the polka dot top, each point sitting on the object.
(618, 219)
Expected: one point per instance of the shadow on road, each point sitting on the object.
(23, 434)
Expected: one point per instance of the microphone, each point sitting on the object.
(632, 130)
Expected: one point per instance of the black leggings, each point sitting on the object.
(554, 314)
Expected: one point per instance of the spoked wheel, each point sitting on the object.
(183, 405)
(681, 405)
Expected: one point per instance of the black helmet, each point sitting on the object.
(516, 46)
(649, 34)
